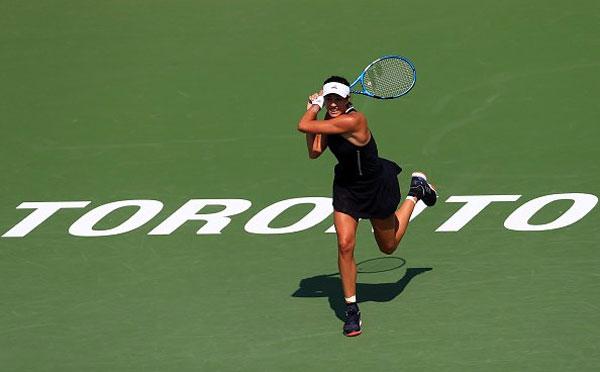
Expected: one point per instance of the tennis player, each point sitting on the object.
(365, 186)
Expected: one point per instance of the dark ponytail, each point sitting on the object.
(336, 79)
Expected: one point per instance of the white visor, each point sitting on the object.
(336, 88)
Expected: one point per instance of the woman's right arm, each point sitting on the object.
(316, 143)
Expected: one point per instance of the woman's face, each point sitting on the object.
(336, 105)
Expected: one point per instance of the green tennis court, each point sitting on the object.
(171, 103)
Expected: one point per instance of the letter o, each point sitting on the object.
(84, 226)
(519, 219)
(259, 224)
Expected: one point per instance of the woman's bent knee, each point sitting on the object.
(388, 247)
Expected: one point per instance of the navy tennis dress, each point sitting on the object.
(364, 185)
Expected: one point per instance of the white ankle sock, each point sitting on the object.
(350, 300)
(413, 198)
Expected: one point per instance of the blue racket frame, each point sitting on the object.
(360, 78)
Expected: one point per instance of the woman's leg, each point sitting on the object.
(345, 227)
(389, 231)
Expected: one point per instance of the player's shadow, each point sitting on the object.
(330, 286)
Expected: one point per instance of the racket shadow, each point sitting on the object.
(330, 286)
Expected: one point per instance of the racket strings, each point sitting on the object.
(391, 77)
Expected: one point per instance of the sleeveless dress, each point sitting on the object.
(364, 185)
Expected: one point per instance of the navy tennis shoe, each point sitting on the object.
(421, 189)
(353, 322)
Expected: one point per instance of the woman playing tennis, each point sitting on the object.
(364, 186)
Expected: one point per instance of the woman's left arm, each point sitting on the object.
(342, 124)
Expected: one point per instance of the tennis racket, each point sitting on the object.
(386, 78)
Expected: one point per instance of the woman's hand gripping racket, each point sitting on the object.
(386, 78)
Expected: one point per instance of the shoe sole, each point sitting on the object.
(354, 333)
(420, 175)
(424, 176)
